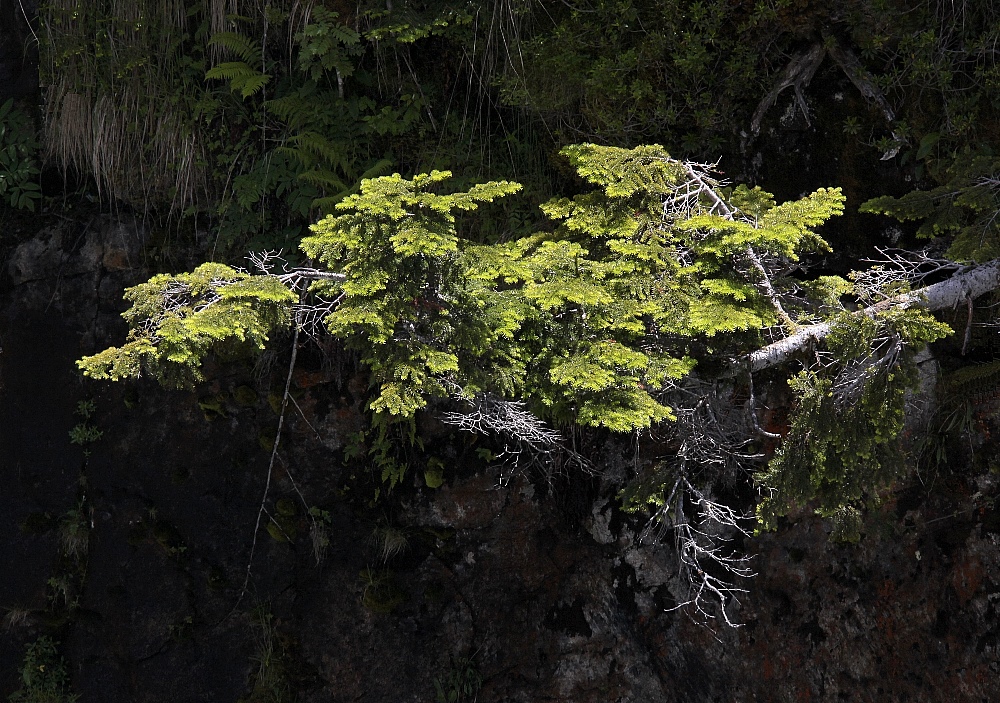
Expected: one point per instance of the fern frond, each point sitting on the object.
(322, 178)
(975, 380)
(253, 84)
(317, 146)
(382, 167)
(231, 71)
(237, 44)
(291, 109)
(327, 204)
(242, 77)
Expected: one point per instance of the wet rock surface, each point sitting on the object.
(135, 555)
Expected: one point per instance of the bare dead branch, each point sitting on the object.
(262, 511)
(895, 267)
(528, 442)
(885, 356)
(970, 282)
(490, 415)
(708, 568)
(797, 75)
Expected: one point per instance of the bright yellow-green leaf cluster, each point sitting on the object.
(588, 322)
(177, 320)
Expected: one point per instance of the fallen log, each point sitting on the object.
(968, 284)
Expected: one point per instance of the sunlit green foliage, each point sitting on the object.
(588, 322)
(404, 306)
(842, 447)
(177, 320)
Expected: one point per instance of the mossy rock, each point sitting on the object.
(286, 507)
(245, 396)
(282, 529)
(434, 477)
(381, 594)
(212, 407)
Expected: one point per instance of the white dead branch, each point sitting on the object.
(527, 440)
(494, 416)
(708, 567)
(967, 284)
(310, 311)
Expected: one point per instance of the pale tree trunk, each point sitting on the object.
(960, 288)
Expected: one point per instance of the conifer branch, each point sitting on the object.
(707, 187)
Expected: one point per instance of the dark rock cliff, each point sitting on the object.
(134, 553)
(18, 49)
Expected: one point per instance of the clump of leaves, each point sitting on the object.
(461, 682)
(84, 433)
(19, 171)
(268, 679)
(44, 678)
(389, 541)
(74, 532)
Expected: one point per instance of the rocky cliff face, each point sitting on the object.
(133, 549)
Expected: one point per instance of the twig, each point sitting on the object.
(270, 467)
(968, 327)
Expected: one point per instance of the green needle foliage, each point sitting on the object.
(841, 448)
(404, 304)
(963, 207)
(177, 320)
(587, 322)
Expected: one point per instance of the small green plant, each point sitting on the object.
(18, 167)
(74, 532)
(61, 594)
(84, 433)
(434, 473)
(389, 541)
(460, 683)
(319, 532)
(268, 682)
(43, 675)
